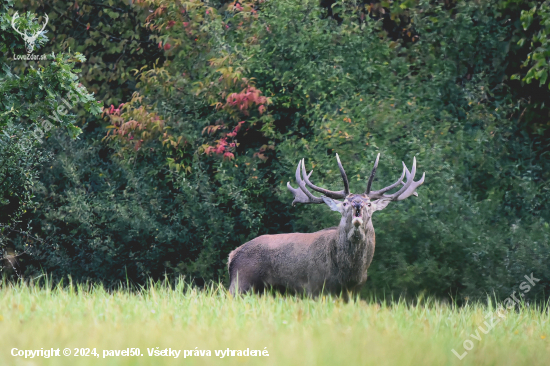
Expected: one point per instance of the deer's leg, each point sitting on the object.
(351, 293)
(346, 294)
(240, 283)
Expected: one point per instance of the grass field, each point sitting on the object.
(294, 331)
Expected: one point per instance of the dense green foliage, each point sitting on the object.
(31, 106)
(197, 159)
(111, 37)
(540, 47)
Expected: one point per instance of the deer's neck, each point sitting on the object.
(354, 251)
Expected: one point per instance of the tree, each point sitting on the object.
(197, 161)
(32, 103)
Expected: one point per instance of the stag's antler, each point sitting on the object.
(303, 195)
(45, 24)
(16, 16)
(408, 189)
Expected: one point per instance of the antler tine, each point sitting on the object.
(326, 192)
(372, 174)
(16, 16)
(410, 179)
(45, 23)
(302, 185)
(408, 175)
(301, 194)
(409, 187)
(412, 189)
(378, 194)
(344, 176)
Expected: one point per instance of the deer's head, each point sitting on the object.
(356, 209)
(29, 39)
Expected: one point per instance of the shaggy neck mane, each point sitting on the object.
(354, 251)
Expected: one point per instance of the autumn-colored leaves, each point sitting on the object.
(215, 81)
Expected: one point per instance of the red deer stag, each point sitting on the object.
(334, 260)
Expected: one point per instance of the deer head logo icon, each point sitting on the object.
(29, 39)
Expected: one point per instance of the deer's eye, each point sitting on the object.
(345, 203)
(369, 204)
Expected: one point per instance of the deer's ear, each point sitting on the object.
(334, 205)
(380, 204)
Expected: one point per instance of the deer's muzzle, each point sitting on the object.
(357, 217)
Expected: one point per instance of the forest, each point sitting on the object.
(156, 136)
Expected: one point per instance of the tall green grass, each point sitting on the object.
(296, 331)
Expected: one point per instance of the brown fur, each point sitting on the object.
(333, 260)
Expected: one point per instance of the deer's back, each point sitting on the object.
(288, 260)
